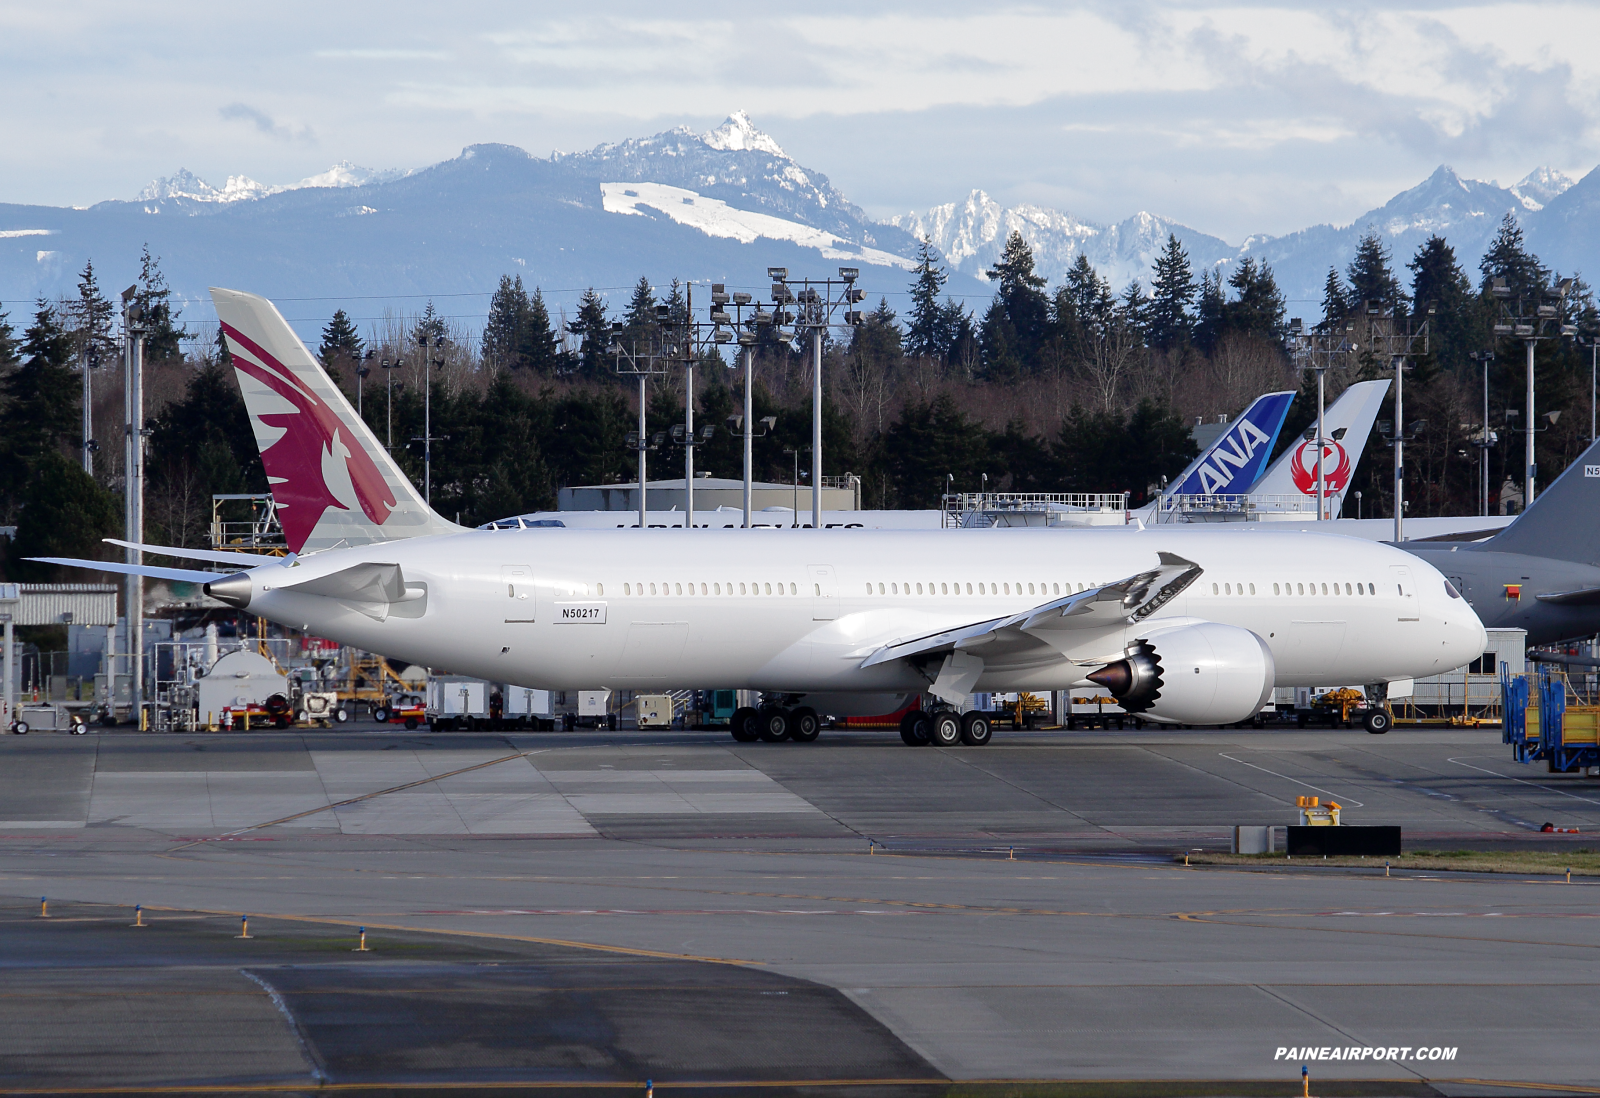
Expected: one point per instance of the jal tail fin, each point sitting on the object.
(1234, 462)
(332, 482)
(1562, 523)
(1348, 422)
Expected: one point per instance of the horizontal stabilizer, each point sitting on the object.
(151, 571)
(249, 560)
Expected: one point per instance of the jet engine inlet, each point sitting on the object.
(1135, 680)
(235, 590)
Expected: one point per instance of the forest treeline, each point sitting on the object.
(1074, 387)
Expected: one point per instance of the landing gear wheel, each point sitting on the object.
(946, 729)
(1376, 721)
(976, 729)
(805, 725)
(915, 728)
(772, 724)
(742, 725)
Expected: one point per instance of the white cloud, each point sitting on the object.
(1236, 117)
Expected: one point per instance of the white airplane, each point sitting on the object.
(1181, 626)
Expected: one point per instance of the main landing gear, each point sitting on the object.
(946, 728)
(774, 724)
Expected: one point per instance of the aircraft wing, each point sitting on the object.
(1042, 634)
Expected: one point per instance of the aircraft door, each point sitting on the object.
(521, 600)
(1400, 576)
(824, 591)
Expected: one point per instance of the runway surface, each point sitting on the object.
(1091, 956)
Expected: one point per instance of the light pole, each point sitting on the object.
(747, 332)
(1486, 438)
(362, 370)
(1550, 308)
(133, 495)
(642, 362)
(1306, 348)
(817, 304)
(388, 370)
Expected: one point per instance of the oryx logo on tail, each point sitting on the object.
(315, 464)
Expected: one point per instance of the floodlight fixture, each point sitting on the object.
(778, 274)
(762, 317)
(770, 421)
(735, 423)
(849, 274)
(708, 432)
(1338, 433)
(741, 298)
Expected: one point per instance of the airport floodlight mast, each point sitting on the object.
(428, 438)
(643, 358)
(1306, 347)
(1399, 346)
(363, 371)
(681, 339)
(1531, 321)
(133, 330)
(90, 355)
(735, 326)
(1486, 438)
(816, 302)
(388, 372)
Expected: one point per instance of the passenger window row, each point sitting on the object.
(908, 588)
(688, 588)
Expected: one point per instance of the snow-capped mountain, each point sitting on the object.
(718, 206)
(1541, 185)
(241, 188)
(971, 234)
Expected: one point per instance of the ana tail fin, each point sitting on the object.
(332, 482)
(1564, 522)
(1231, 464)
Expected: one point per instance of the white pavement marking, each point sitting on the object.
(1520, 781)
(1350, 802)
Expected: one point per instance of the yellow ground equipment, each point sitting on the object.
(1315, 814)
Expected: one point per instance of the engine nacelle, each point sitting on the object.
(1193, 674)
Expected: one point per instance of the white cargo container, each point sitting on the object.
(525, 701)
(654, 710)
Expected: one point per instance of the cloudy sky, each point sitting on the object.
(1238, 119)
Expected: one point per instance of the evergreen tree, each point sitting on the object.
(509, 310)
(640, 317)
(1134, 309)
(1439, 284)
(39, 408)
(223, 355)
(1173, 293)
(1335, 302)
(538, 348)
(1259, 307)
(1371, 279)
(928, 333)
(1208, 320)
(677, 303)
(8, 342)
(64, 513)
(592, 327)
(1016, 333)
(1507, 257)
(91, 316)
(163, 339)
(340, 340)
(430, 326)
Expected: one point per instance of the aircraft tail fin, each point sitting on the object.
(1348, 422)
(1235, 461)
(1563, 522)
(332, 482)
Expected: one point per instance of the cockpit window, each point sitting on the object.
(1450, 589)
